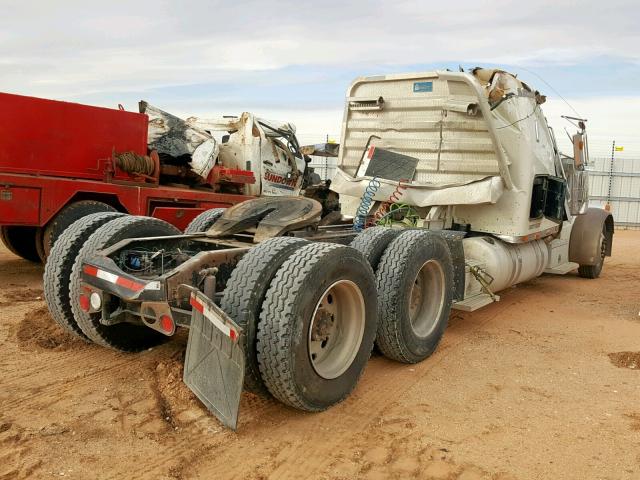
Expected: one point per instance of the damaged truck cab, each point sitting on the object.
(485, 163)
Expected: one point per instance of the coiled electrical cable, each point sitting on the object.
(365, 204)
(393, 198)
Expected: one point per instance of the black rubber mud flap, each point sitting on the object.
(214, 363)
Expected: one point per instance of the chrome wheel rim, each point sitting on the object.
(426, 300)
(336, 329)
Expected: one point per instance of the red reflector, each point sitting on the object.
(166, 323)
(370, 152)
(85, 303)
(90, 270)
(129, 284)
(196, 304)
(232, 334)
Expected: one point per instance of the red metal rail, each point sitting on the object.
(54, 153)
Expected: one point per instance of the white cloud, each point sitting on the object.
(608, 119)
(72, 47)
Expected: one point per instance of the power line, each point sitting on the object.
(553, 89)
(519, 120)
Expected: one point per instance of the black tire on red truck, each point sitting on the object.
(64, 219)
(57, 270)
(21, 241)
(204, 221)
(126, 337)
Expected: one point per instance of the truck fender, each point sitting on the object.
(454, 242)
(584, 243)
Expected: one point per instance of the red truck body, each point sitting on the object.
(55, 153)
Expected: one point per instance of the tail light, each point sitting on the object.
(157, 315)
(85, 303)
(90, 300)
(167, 325)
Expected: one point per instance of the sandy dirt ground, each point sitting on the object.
(544, 384)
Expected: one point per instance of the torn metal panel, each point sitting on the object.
(204, 157)
(171, 135)
(321, 150)
(264, 147)
(274, 128)
(484, 191)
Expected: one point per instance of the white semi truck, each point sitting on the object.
(451, 188)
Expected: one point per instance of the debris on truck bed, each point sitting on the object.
(170, 135)
(252, 155)
(179, 143)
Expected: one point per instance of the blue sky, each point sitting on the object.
(294, 60)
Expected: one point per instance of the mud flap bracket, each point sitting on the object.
(214, 362)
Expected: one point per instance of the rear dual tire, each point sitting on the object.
(311, 354)
(415, 284)
(373, 242)
(414, 280)
(57, 270)
(245, 293)
(128, 337)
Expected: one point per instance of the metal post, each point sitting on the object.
(326, 163)
(607, 206)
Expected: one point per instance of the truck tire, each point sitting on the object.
(372, 243)
(126, 337)
(40, 244)
(415, 285)
(67, 216)
(57, 270)
(593, 271)
(243, 297)
(204, 221)
(21, 241)
(317, 326)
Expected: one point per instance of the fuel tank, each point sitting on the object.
(507, 263)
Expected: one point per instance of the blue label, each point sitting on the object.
(423, 87)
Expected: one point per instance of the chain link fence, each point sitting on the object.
(614, 183)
